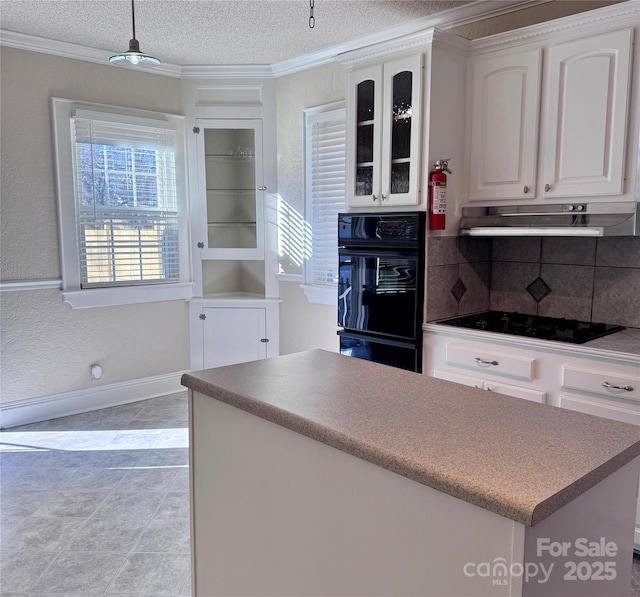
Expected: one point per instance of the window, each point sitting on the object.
(121, 204)
(325, 198)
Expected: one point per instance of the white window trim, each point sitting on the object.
(62, 112)
(323, 295)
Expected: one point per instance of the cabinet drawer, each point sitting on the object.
(618, 412)
(491, 386)
(601, 383)
(490, 362)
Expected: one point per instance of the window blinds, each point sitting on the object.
(126, 204)
(327, 186)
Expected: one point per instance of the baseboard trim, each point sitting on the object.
(41, 408)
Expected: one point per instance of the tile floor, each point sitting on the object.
(98, 504)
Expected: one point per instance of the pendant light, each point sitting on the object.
(134, 57)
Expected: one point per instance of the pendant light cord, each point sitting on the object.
(133, 20)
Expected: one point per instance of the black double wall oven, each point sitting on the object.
(381, 287)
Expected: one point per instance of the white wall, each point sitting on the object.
(47, 347)
(303, 325)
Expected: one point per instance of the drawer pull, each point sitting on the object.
(483, 362)
(606, 384)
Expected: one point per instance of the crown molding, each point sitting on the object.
(469, 13)
(77, 52)
(624, 13)
(449, 19)
(398, 44)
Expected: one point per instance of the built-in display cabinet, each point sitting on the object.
(548, 111)
(395, 117)
(234, 316)
(232, 202)
(384, 133)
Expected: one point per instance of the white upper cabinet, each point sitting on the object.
(586, 120)
(383, 135)
(504, 125)
(550, 121)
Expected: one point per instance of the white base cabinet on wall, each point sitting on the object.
(587, 380)
(231, 330)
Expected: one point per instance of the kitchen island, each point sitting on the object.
(319, 474)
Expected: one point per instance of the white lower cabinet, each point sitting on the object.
(227, 331)
(232, 335)
(594, 382)
(492, 386)
(606, 394)
(485, 366)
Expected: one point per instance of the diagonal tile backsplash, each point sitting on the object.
(577, 278)
(458, 270)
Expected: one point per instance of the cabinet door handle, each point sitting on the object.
(547, 188)
(483, 362)
(264, 339)
(384, 197)
(263, 188)
(606, 384)
(373, 197)
(526, 189)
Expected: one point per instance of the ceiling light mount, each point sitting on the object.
(134, 57)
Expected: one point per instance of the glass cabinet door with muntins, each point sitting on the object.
(402, 106)
(365, 131)
(385, 133)
(401, 112)
(232, 180)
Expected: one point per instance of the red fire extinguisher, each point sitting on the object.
(438, 195)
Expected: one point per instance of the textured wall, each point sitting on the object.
(294, 93)
(46, 346)
(303, 325)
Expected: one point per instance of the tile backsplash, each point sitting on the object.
(577, 278)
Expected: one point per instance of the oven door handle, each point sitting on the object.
(343, 297)
(378, 252)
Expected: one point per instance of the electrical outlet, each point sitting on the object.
(96, 372)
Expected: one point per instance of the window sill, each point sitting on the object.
(322, 295)
(127, 295)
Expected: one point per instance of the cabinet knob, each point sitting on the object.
(606, 384)
(262, 188)
(200, 245)
(547, 188)
(264, 339)
(526, 189)
(202, 316)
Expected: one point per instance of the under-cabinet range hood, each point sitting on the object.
(567, 219)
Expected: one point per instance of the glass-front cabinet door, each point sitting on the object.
(384, 132)
(365, 125)
(230, 162)
(402, 126)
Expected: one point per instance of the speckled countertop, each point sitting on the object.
(519, 459)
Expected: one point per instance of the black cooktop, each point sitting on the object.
(534, 326)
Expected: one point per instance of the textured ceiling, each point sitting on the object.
(207, 32)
